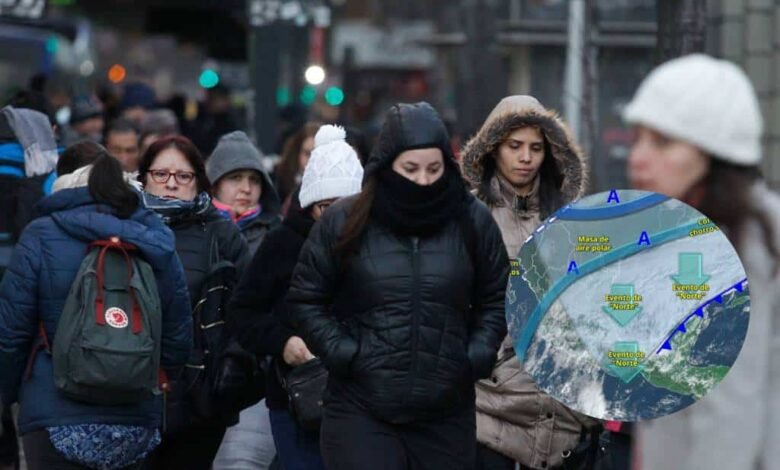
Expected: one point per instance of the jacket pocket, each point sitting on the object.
(340, 361)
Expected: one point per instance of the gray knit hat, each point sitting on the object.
(234, 151)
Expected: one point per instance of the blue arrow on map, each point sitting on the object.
(622, 311)
(681, 328)
(690, 270)
(627, 367)
(667, 345)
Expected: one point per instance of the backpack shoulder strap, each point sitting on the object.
(42, 342)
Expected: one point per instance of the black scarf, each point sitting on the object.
(410, 209)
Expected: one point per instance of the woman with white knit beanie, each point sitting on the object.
(698, 138)
(258, 305)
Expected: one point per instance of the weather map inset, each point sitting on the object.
(627, 305)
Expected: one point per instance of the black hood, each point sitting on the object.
(408, 127)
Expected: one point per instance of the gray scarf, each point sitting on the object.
(34, 133)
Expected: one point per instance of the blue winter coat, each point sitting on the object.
(34, 289)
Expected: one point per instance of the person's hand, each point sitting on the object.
(295, 352)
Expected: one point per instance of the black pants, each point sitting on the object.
(193, 448)
(9, 447)
(351, 439)
(41, 454)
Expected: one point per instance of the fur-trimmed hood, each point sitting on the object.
(516, 111)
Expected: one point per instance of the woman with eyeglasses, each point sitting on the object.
(400, 293)
(258, 307)
(173, 173)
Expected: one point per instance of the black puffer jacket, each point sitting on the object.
(194, 235)
(258, 313)
(393, 323)
(199, 239)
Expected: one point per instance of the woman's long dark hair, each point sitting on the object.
(551, 179)
(356, 221)
(77, 155)
(726, 201)
(289, 165)
(107, 186)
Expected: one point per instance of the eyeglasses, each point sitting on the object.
(182, 177)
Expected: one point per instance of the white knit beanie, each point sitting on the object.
(706, 102)
(333, 171)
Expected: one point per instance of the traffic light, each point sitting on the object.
(283, 96)
(334, 96)
(308, 95)
(208, 78)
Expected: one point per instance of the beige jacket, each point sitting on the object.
(514, 417)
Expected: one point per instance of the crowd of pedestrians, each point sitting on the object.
(347, 311)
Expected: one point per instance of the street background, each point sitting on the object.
(583, 58)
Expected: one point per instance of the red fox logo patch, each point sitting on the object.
(116, 317)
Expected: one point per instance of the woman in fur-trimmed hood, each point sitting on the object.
(524, 164)
(504, 185)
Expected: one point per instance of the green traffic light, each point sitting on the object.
(334, 96)
(308, 95)
(283, 96)
(208, 79)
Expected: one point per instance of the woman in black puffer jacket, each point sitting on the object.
(400, 292)
(173, 173)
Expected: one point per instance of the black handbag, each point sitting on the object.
(305, 386)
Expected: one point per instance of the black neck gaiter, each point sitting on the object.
(410, 209)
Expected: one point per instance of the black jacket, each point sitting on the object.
(406, 325)
(200, 240)
(258, 312)
(393, 325)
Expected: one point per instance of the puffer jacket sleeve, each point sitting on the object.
(258, 295)
(492, 273)
(177, 318)
(313, 287)
(18, 311)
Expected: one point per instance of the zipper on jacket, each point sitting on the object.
(415, 310)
